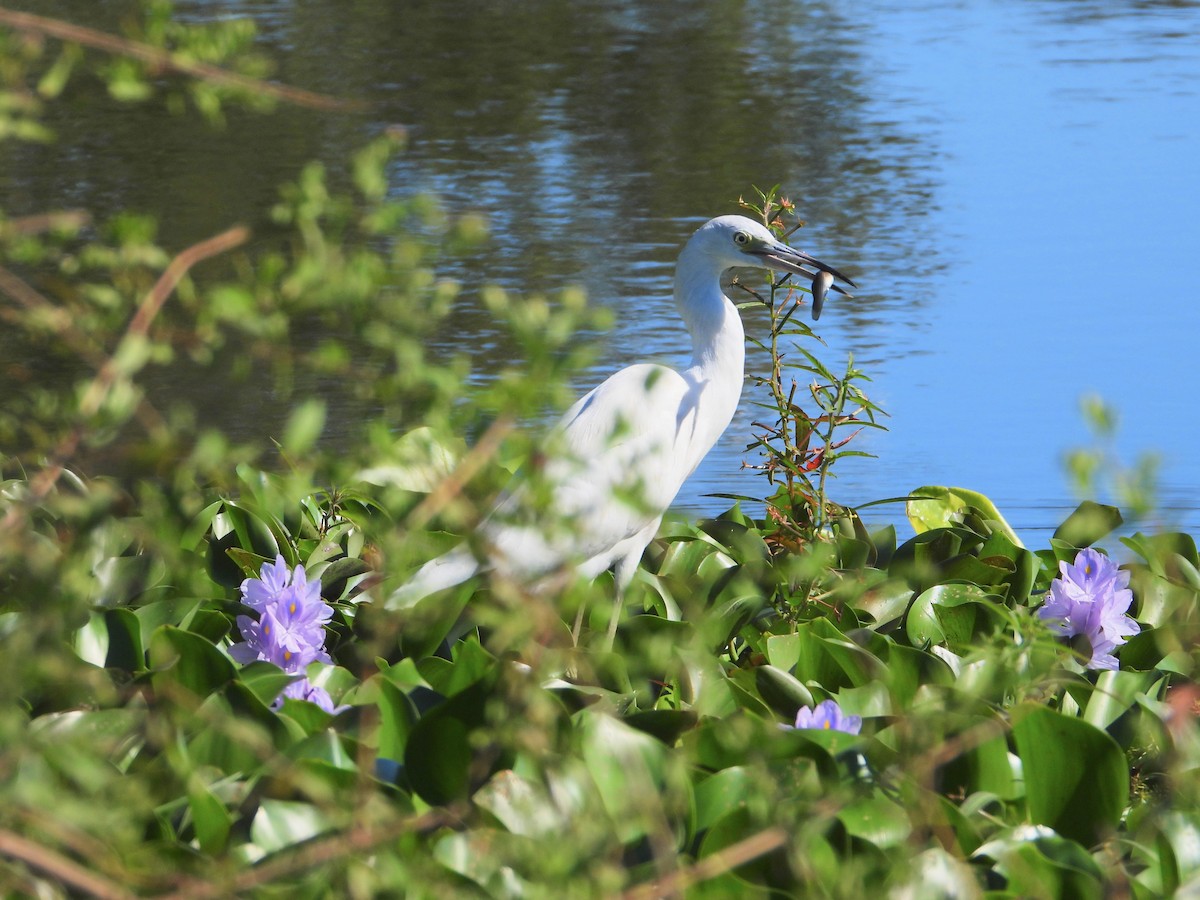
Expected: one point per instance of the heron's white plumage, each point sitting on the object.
(619, 456)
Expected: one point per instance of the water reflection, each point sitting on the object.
(980, 169)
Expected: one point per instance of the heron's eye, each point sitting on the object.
(741, 238)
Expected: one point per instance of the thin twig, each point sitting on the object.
(450, 487)
(39, 223)
(152, 304)
(138, 326)
(315, 853)
(59, 867)
(167, 61)
(711, 866)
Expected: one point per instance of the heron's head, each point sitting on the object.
(735, 241)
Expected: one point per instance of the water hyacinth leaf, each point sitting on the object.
(781, 691)
(424, 625)
(323, 746)
(397, 717)
(1089, 523)
(919, 560)
(746, 878)
(722, 793)
(180, 659)
(925, 626)
(336, 576)
(522, 806)
(877, 820)
(125, 650)
(1114, 695)
(1023, 565)
(783, 651)
(830, 660)
(437, 758)
(722, 623)
(1076, 776)
(91, 640)
(236, 530)
(448, 677)
(1157, 549)
(983, 767)
(265, 680)
(962, 825)
(1039, 863)
(438, 754)
(280, 824)
(665, 724)
(886, 602)
(210, 819)
(627, 768)
(933, 507)
(173, 611)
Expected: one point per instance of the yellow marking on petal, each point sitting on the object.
(826, 726)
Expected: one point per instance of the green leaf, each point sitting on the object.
(665, 724)
(935, 611)
(210, 819)
(304, 426)
(781, 690)
(626, 766)
(180, 659)
(933, 507)
(125, 649)
(438, 754)
(878, 820)
(397, 717)
(1114, 695)
(1076, 777)
(984, 766)
(1038, 863)
(722, 793)
(279, 824)
(1088, 523)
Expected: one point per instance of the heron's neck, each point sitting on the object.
(718, 341)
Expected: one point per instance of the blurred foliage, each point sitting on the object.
(481, 754)
(1098, 471)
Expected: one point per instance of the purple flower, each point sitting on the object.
(828, 716)
(290, 629)
(276, 582)
(1089, 601)
(303, 689)
(280, 642)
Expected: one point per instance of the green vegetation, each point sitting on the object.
(479, 753)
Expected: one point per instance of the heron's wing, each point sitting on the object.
(615, 462)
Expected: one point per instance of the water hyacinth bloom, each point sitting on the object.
(1090, 601)
(828, 716)
(290, 629)
(303, 689)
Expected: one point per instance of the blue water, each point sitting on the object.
(1063, 144)
(1013, 183)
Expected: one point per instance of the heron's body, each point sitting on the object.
(620, 455)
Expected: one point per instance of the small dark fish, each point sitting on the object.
(820, 286)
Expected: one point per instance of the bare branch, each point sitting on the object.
(59, 867)
(166, 61)
(711, 866)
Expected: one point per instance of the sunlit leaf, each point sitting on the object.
(1076, 777)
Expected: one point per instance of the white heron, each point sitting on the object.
(618, 457)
